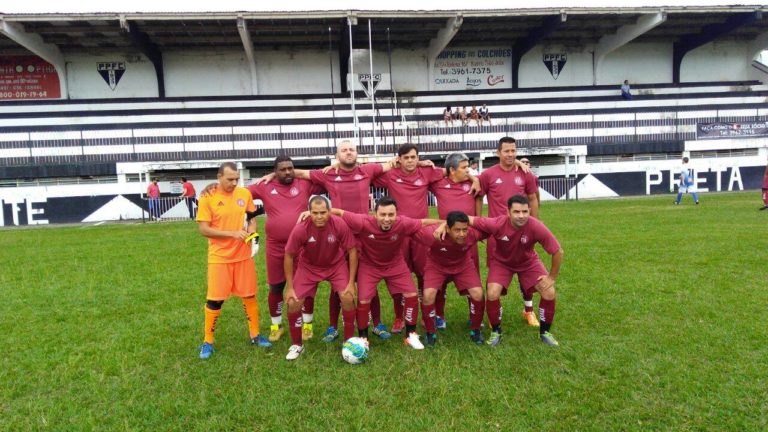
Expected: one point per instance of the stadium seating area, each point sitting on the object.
(96, 132)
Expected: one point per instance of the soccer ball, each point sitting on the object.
(355, 350)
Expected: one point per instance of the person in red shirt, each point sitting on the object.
(349, 188)
(408, 184)
(221, 216)
(320, 244)
(381, 257)
(516, 235)
(153, 192)
(499, 183)
(188, 194)
(452, 193)
(284, 200)
(451, 259)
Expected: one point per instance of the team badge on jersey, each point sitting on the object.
(418, 182)
(465, 187)
(519, 181)
(294, 191)
(394, 237)
(524, 239)
(241, 202)
(331, 238)
(358, 177)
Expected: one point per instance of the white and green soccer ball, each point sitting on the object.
(355, 350)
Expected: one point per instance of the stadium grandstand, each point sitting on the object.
(93, 105)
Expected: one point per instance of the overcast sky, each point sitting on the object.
(80, 6)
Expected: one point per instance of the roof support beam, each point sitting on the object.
(691, 41)
(439, 42)
(623, 36)
(345, 56)
(245, 36)
(34, 43)
(142, 42)
(550, 25)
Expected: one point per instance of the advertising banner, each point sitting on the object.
(720, 130)
(473, 68)
(28, 77)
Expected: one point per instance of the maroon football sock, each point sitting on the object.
(397, 305)
(476, 312)
(334, 309)
(411, 310)
(376, 311)
(493, 309)
(295, 322)
(440, 302)
(362, 315)
(527, 299)
(546, 314)
(309, 305)
(275, 304)
(348, 317)
(428, 312)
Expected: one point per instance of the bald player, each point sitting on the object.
(221, 217)
(321, 243)
(381, 257)
(349, 189)
(499, 183)
(516, 236)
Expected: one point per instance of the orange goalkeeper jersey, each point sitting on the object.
(226, 211)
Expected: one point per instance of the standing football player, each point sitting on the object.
(220, 216)
(499, 183)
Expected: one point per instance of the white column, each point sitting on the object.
(623, 36)
(439, 42)
(245, 37)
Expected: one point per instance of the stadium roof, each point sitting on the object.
(85, 32)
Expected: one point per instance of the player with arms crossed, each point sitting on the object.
(516, 235)
(230, 270)
(320, 243)
(450, 258)
(381, 257)
(501, 181)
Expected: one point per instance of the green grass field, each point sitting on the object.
(660, 316)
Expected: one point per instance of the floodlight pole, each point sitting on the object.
(352, 74)
(371, 89)
(392, 99)
(333, 95)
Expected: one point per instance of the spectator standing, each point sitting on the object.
(188, 194)
(153, 192)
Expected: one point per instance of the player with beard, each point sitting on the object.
(408, 183)
(381, 257)
(348, 187)
(516, 235)
(499, 183)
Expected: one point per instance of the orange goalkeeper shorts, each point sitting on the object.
(237, 278)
